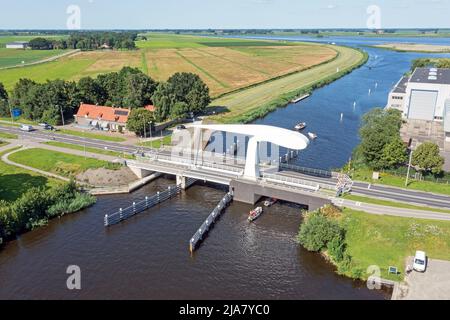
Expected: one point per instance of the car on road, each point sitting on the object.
(420, 261)
(181, 127)
(46, 126)
(26, 128)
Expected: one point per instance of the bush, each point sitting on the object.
(35, 207)
(317, 232)
(336, 247)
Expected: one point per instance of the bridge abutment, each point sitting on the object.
(140, 172)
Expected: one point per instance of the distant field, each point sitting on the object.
(6, 39)
(12, 57)
(224, 64)
(73, 67)
(414, 47)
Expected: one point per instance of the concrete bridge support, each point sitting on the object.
(140, 173)
(182, 181)
(248, 192)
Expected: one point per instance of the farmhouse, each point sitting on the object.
(424, 100)
(104, 118)
(17, 45)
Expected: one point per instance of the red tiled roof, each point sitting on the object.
(150, 108)
(110, 114)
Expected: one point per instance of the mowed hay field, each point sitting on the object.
(224, 64)
(246, 101)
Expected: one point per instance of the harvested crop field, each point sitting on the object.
(225, 69)
(224, 64)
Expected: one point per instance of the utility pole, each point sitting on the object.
(62, 115)
(151, 135)
(409, 168)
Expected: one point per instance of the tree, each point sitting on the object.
(394, 153)
(180, 110)
(40, 44)
(139, 121)
(138, 89)
(427, 158)
(91, 91)
(163, 99)
(189, 88)
(379, 128)
(23, 97)
(4, 105)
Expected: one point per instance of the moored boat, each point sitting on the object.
(300, 126)
(312, 136)
(270, 202)
(254, 214)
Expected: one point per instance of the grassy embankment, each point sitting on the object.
(166, 141)
(387, 241)
(396, 181)
(15, 181)
(63, 164)
(249, 104)
(90, 135)
(90, 149)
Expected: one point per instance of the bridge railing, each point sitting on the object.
(137, 207)
(189, 162)
(295, 182)
(309, 171)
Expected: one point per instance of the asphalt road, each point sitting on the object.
(359, 188)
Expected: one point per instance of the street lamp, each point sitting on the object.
(409, 168)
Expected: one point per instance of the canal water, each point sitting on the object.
(147, 257)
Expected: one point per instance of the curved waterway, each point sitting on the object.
(147, 257)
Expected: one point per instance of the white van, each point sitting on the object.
(420, 261)
(26, 128)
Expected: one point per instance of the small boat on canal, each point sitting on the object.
(312, 136)
(270, 202)
(255, 214)
(300, 126)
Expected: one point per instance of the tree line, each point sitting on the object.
(181, 95)
(88, 41)
(430, 63)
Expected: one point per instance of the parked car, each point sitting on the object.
(181, 127)
(420, 261)
(26, 128)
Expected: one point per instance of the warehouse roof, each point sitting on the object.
(431, 75)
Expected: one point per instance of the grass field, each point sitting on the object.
(224, 64)
(396, 181)
(392, 204)
(266, 95)
(11, 57)
(167, 140)
(15, 181)
(387, 241)
(63, 164)
(90, 135)
(89, 149)
(5, 135)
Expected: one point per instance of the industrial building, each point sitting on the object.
(424, 100)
